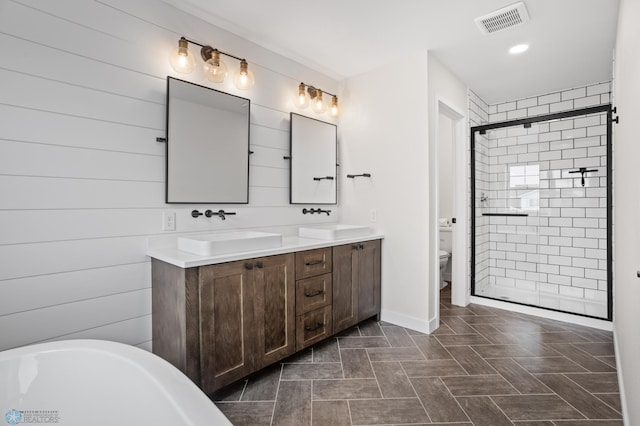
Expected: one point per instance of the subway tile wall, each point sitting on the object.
(478, 115)
(560, 248)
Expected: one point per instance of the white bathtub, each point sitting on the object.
(95, 382)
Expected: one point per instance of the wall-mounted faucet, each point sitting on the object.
(220, 213)
(313, 211)
(210, 213)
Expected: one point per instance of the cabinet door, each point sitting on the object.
(274, 304)
(345, 290)
(226, 321)
(368, 279)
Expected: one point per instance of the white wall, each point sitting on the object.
(627, 205)
(82, 177)
(445, 166)
(444, 88)
(384, 131)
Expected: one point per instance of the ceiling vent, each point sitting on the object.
(501, 19)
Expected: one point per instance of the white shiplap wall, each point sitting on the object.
(82, 100)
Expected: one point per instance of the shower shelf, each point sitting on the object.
(505, 214)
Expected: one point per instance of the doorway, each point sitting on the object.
(451, 175)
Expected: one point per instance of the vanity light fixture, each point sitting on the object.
(183, 61)
(309, 95)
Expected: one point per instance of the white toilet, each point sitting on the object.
(445, 254)
(444, 260)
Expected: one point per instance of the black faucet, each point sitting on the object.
(318, 210)
(220, 213)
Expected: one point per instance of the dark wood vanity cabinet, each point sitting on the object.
(227, 320)
(219, 323)
(356, 283)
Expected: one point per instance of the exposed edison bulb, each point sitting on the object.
(215, 68)
(243, 79)
(302, 98)
(334, 110)
(181, 59)
(318, 105)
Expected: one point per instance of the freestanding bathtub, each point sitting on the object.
(96, 382)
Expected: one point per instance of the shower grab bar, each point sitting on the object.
(505, 214)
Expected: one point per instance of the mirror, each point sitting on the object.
(313, 161)
(207, 145)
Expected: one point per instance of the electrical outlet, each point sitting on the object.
(373, 215)
(168, 221)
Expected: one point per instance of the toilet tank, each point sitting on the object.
(445, 238)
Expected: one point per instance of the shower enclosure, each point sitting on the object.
(541, 211)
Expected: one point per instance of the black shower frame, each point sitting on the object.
(526, 122)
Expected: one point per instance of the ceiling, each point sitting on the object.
(571, 41)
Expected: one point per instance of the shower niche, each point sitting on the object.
(541, 211)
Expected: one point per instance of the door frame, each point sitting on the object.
(460, 284)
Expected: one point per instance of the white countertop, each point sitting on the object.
(185, 259)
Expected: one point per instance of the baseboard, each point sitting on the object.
(623, 396)
(545, 313)
(407, 321)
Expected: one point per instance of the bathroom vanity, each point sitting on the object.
(221, 318)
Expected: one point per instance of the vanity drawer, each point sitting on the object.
(313, 262)
(313, 327)
(313, 293)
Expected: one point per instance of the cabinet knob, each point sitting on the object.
(259, 264)
(248, 265)
(361, 246)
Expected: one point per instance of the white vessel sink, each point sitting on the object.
(333, 231)
(229, 242)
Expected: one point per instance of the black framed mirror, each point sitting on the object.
(314, 145)
(207, 145)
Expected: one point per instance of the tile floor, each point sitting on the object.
(483, 366)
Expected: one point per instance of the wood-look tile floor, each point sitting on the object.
(483, 366)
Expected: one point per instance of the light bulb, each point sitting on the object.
(181, 59)
(215, 68)
(318, 105)
(243, 79)
(302, 98)
(334, 110)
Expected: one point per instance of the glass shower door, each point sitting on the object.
(541, 216)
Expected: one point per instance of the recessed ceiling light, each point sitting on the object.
(518, 48)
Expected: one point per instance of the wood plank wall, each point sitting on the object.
(82, 100)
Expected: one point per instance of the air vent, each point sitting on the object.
(501, 19)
